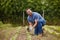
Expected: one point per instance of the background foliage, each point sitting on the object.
(11, 11)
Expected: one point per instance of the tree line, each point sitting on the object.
(11, 11)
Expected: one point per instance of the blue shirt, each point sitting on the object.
(34, 16)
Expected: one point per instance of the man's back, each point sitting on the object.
(34, 16)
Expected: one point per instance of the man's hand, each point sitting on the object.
(31, 28)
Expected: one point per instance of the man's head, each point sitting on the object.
(28, 11)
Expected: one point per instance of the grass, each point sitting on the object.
(8, 31)
(16, 34)
(28, 35)
(55, 30)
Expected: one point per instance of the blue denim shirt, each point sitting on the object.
(34, 16)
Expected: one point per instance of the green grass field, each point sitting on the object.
(8, 32)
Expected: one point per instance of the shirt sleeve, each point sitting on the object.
(28, 19)
(37, 17)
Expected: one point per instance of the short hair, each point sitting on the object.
(28, 8)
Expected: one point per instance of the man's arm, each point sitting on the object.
(35, 24)
(30, 24)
